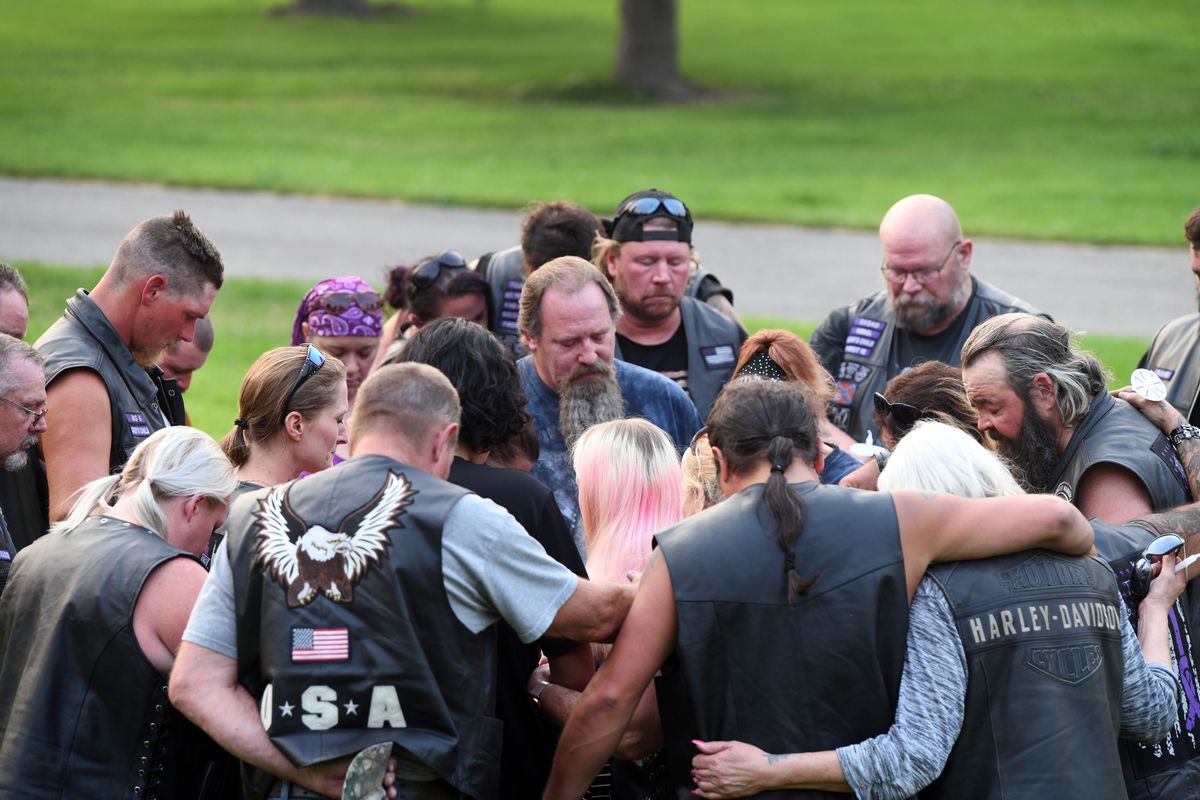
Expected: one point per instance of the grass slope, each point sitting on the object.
(252, 316)
(1051, 119)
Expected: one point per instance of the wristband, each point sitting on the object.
(1183, 433)
(535, 694)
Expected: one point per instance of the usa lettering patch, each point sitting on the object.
(320, 644)
(718, 357)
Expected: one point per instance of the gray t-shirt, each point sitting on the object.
(491, 568)
(933, 693)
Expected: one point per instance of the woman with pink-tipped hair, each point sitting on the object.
(630, 488)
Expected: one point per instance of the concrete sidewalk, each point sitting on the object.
(774, 270)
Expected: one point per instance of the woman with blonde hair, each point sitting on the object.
(291, 416)
(90, 623)
(630, 488)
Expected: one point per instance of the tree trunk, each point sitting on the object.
(647, 49)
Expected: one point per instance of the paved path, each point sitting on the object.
(774, 270)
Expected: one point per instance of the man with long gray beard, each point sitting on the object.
(1047, 406)
(22, 418)
(927, 309)
(568, 319)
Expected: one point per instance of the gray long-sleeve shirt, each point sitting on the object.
(933, 692)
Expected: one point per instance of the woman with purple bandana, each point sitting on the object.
(342, 317)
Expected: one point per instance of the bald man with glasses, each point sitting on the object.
(930, 303)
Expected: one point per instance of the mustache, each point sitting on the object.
(585, 370)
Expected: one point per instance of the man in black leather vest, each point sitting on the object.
(648, 257)
(22, 418)
(927, 309)
(364, 600)
(101, 356)
(1047, 406)
(1174, 355)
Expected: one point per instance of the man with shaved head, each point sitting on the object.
(929, 305)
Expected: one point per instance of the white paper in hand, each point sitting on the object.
(1148, 385)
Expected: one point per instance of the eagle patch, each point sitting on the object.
(309, 561)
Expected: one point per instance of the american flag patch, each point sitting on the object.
(320, 644)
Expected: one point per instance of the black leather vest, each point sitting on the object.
(816, 675)
(1168, 768)
(1042, 637)
(84, 712)
(1115, 432)
(867, 358)
(84, 339)
(1174, 356)
(348, 638)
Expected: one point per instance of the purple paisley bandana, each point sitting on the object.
(351, 322)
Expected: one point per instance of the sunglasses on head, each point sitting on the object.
(428, 271)
(902, 416)
(313, 361)
(643, 206)
(338, 302)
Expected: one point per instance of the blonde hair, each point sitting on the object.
(173, 462)
(630, 488)
(937, 457)
(700, 473)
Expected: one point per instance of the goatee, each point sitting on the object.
(585, 401)
(922, 311)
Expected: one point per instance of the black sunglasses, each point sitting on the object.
(338, 302)
(902, 415)
(428, 271)
(643, 206)
(313, 361)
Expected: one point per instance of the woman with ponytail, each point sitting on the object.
(292, 411)
(778, 616)
(90, 623)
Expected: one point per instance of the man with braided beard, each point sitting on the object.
(568, 318)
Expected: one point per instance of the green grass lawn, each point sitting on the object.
(252, 316)
(1060, 119)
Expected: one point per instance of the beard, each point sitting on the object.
(922, 311)
(649, 308)
(584, 402)
(17, 459)
(1033, 454)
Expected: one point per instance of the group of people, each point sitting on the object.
(557, 527)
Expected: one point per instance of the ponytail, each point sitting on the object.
(789, 510)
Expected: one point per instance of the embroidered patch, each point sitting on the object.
(1164, 373)
(309, 561)
(844, 395)
(721, 356)
(137, 423)
(1073, 664)
(320, 644)
(853, 372)
(1163, 449)
(864, 335)
(1065, 491)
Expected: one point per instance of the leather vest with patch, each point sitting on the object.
(84, 339)
(1042, 637)
(1174, 356)
(345, 634)
(1169, 768)
(85, 714)
(868, 358)
(815, 675)
(1114, 432)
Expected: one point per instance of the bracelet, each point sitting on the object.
(1183, 433)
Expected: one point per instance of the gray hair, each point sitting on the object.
(11, 281)
(936, 457)
(173, 462)
(1029, 344)
(568, 273)
(13, 348)
(410, 401)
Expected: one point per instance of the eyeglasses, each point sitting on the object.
(923, 276)
(643, 206)
(1153, 554)
(338, 302)
(313, 361)
(902, 416)
(428, 271)
(36, 413)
